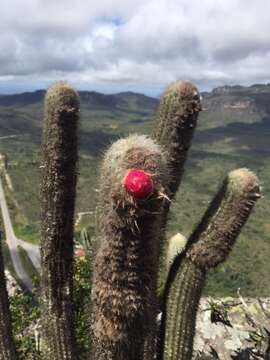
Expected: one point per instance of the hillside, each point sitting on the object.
(233, 131)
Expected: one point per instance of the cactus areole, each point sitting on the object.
(139, 184)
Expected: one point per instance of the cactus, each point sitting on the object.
(139, 178)
(175, 123)
(124, 279)
(59, 157)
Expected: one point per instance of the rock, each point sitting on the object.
(233, 326)
(12, 286)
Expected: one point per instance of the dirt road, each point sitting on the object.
(13, 242)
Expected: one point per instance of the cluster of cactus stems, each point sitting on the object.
(139, 178)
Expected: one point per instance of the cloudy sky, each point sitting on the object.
(138, 45)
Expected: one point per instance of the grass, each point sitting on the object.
(30, 232)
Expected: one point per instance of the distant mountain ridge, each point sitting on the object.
(252, 99)
(233, 89)
(236, 112)
(119, 100)
(24, 98)
(235, 96)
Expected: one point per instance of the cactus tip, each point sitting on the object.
(183, 87)
(61, 96)
(244, 179)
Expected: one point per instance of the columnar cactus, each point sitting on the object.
(59, 157)
(174, 126)
(139, 178)
(175, 122)
(133, 175)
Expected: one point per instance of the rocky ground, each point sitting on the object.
(227, 328)
(233, 328)
(12, 285)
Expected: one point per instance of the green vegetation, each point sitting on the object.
(28, 232)
(27, 264)
(25, 313)
(81, 290)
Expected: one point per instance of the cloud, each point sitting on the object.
(134, 44)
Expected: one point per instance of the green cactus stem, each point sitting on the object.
(181, 311)
(175, 123)
(59, 158)
(7, 347)
(208, 246)
(126, 263)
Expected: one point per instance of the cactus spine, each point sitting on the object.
(125, 269)
(59, 158)
(208, 246)
(7, 347)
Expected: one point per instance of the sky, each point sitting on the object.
(136, 45)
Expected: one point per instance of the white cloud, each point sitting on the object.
(136, 44)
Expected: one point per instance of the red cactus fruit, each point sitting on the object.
(139, 184)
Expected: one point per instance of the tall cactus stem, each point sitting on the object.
(59, 158)
(208, 246)
(126, 263)
(182, 308)
(175, 123)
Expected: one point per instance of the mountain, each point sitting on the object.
(89, 98)
(24, 99)
(221, 106)
(245, 104)
(238, 116)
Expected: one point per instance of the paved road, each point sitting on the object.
(13, 242)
